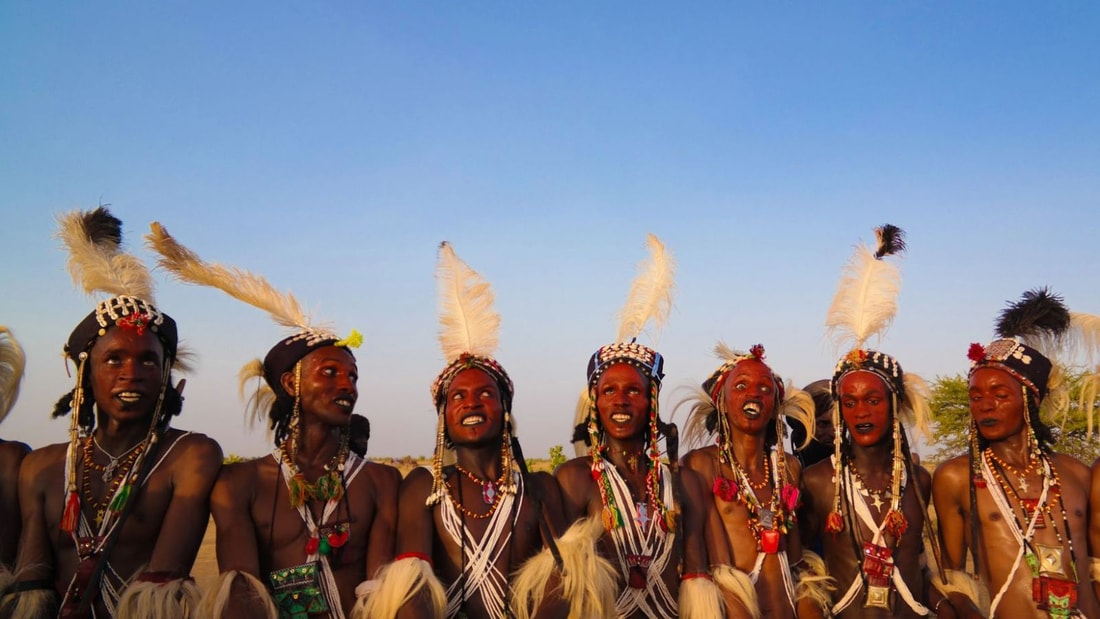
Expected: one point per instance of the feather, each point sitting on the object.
(96, 260)
(866, 299)
(1084, 335)
(726, 354)
(891, 241)
(255, 290)
(12, 364)
(1038, 316)
(467, 321)
(650, 295)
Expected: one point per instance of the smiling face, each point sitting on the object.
(750, 396)
(996, 403)
(474, 414)
(126, 370)
(865, 407)
(328, 385)
(622, 401)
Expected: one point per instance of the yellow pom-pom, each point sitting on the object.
(353, 340)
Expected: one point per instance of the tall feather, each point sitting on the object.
(96, 260)
(467, 321)
(725, 353)
(12, 363)
(253, 289)
(1084, 335)
(1040, 318)
(866, 298)
(650, 295)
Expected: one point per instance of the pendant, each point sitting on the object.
(878, 597)
(488, 492)
(1031, 507)
(767, 519)
(1057, 596)
(769, 541)
(109, 471)
(638, 570)
(878, 564)
(643, 515)
(1050, 560)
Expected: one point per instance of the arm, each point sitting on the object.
(415, 534)
(188, 513)
(575, 482)
(951, 498)
(1094, 523)
(384, 528)
(694, 509)
(36, 569)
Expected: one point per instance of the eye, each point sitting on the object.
(766, 388)
(874, 401)
(111, 360)
(329, 371)
(486, 394)
(740, 386)
(456, 396)
(634, 391)
(354, 377)
(608, 391)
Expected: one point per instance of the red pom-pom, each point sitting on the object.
(896, 523)
(834, 523)
(757, 351)
(725, 489)
(979, 481)
(312, 544)
(976, 352)
(338, 539)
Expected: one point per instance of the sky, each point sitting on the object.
(331, 146)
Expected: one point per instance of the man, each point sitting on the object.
(1014, 504)
(300, 529)
(12, 362)
(466, 527)
(822, 434)
(127, 493)
(753, 483)
(870, 497)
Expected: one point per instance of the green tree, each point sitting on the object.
(951, 420)
(557, 458)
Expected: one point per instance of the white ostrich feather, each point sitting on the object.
(96, 260)
(12, 363)
(726, 354)
(253, 289)
(1084, 336)
(650, 297)
(467, 321)
(865, 301)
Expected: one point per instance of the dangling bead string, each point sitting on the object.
(834, 522)
(71, 515)
(438, 487)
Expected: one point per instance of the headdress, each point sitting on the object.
(12, 362)
(864, 306)
(649, 301)
(98, 264)
(283, 408)
(468, 336)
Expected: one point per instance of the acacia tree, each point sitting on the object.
(951, 420)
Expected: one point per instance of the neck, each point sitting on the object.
(116, 437)
(484, 461)
(317, 443)
(873, 457)
(748, 450)
(628, 453)
(1015, 449)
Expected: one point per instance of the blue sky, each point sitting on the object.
(331, 146)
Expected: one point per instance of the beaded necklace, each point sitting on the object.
(490, 489)
(123, 464)
(329, 486)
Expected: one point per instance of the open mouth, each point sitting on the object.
(988, 422)
(347, 403)
(129, 397)
(752, 410)
(621, 417)
(864, 428)
(473, 420)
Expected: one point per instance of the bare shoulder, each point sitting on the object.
(385, 478)
(818, 475)
(1068, 466)
(12, 454)
(546, 483)
(574, 472)
(701, 460)
(794, 468)
(194, 446)
(953, 471)
(416, 485)
(43, 459)
(239, 478)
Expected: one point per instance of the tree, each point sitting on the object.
(951, 419)
(557, 458)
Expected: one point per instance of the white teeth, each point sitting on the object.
(129, 396)
(620, 418)
(473, 420)
(343, 402)
(752, 408)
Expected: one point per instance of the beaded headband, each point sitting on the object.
(649, 361)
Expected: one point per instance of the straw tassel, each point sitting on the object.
(72, 512)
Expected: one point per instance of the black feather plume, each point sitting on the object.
(102, 227)
(1038, 313)
(891, 240)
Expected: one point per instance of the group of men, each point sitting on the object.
(109, 523)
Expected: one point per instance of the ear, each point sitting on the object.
(287, 381)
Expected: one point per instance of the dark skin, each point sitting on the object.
(997, 405)
(11, 456)
(170, 514)
(865, 407)
(622, 402)
(474, 422)
(259, 532)
(749, 395)
(1094, 518)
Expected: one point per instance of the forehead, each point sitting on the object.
(338, 354)
(621, 372)
(127, 340)
(993, 377)
(472, 378)
(860, 382)
(752, 369)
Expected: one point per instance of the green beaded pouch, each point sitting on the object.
(298, 591)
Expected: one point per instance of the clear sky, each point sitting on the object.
(331, 146)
